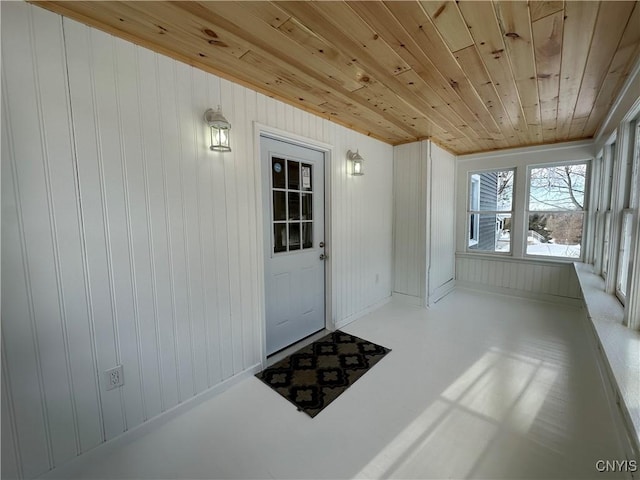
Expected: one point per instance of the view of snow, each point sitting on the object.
(535, 247)
(554, 250)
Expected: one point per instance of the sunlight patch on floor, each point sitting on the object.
(501, 389)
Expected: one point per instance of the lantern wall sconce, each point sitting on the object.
(220, 130)
(356, 162)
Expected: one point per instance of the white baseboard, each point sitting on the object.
(442, 291)
(543, 297)
(407, 299)
(139, 431)
(362, 313)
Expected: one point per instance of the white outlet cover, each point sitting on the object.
(114, 377)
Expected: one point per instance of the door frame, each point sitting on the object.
(259, 166)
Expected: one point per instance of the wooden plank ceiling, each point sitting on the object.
(472, 76)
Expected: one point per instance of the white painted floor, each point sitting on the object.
(480, 386)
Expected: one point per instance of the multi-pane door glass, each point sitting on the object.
(292, 193)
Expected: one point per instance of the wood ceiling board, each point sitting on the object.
(382, 96)
(288, 84)
(289, 40)
(320, 53)
(469, 59)
(322, 26)
(433, 81)
(449, 22)
(626, 55)
(415, 21)
(286, 54)
(612, 17)
(335, 21)
(485, 30)
(399, 71)
(547, 39)
(266, 11)
(225, 65)
(540, 9)
(577, 127)
(515, 26)
(579, 21)
(439, 111)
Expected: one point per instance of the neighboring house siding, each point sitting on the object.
(488, 201)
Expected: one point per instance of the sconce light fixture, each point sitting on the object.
(220, 130)
(356, 162)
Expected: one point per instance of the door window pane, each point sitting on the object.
(294, 206)
(307, 235)
(294, 236)
(279, 206)
(278, 173)
(279, 237)
(307, 174)
(293, 172)
(307, 206)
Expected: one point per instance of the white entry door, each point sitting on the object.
(293, 202)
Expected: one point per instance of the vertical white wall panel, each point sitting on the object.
(128, 242)
(410, 190)
(424, 221)
(441, 218)
(10, 458)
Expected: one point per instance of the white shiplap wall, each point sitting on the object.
(441, 215)
(424, 222)
(409, 220)
(126, 241)
(547, 281)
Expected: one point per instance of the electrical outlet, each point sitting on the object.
(114, 377)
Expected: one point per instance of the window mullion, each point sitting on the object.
(520, 216)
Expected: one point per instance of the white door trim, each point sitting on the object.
(328, 150)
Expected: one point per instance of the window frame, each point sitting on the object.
(584, 212)
(474, 217)
(628, 202)
(475, 176)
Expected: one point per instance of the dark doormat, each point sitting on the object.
(317, 374)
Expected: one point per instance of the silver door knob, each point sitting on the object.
(323, 256)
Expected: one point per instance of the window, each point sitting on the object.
(556, 209)
(490, 210)
(475, 206)
(605, 244)
(624, 256)
(629, 183)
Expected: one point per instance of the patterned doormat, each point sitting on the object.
(317, 374)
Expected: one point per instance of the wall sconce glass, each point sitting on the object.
(220, 130)
(356, 162)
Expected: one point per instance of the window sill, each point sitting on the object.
(620, 345)
(508, 257)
